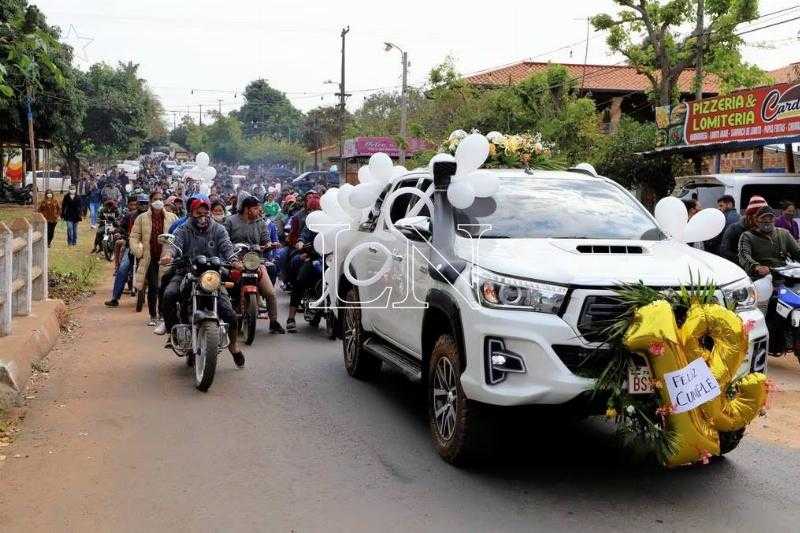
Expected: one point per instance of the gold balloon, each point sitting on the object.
(697, 430)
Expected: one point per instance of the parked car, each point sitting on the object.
(557, 244)
(742, 186)
(56, 183)
(309, 180)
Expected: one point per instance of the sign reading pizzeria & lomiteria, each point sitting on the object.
(762, 113)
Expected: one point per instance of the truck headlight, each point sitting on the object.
(210, 280)
(504, 292)
(740, 295)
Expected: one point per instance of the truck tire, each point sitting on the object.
(729, 440)
(357, 362)
(458, 426)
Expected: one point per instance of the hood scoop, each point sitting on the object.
(609, 249)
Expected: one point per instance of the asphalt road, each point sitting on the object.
(117, 439)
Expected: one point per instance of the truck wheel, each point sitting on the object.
(729, 440)
(457, 424)
(358, 363)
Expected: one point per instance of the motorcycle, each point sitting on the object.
(200, 335)
(784, 319)
(314, 310)
(13, 195)
(244, 291)
(109, 238)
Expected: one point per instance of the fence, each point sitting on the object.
(23, 268)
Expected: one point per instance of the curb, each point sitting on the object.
(32, 339)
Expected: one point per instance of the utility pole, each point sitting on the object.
(342, 95)
(32, 143)
(219, 101)
(201, 114)
(586, 48)
(403, 100)
(174, 120)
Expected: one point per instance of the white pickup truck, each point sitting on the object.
(498, 304)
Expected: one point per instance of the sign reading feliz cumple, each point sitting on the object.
(770, 112)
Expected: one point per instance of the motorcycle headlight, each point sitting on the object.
(210, 280)
(251, 260)
(740, 295)
(503, 292)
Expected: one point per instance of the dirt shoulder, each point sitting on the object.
(781, 424)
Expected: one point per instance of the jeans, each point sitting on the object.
(121, 277)
(93, 207)
(72, 233)
(170, 304)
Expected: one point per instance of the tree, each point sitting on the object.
(322, 126)
(649, 34)
(179, 134)
(265, 150)
(267, 111)
(225, 139)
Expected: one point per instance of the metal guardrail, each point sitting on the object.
(23, 268)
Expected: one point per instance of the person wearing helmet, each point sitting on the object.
(108, 214)
(200, 235)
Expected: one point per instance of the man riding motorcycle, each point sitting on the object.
(200, 236)
(108, 214)
(762, 248)
(249, 227)
(301, 271)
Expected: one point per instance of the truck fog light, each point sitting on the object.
(500, 362)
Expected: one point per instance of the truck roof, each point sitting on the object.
(740, 178)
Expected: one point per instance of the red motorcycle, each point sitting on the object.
(244, 291)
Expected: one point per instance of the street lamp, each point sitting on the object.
(403, 100)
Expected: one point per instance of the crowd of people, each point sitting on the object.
(267, 214)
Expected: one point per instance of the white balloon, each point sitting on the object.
(671, 215)
(365, 195)
(202, 160)
(345, 191)
(210, 173)
(330, 204)
(380, 166)
(440, 157)
(322, 244)
(704, 225)
(204, 189)
(398, 171)
(461, 194)
(484, 184)
(364, 175)
(471, 153)
(318, 221)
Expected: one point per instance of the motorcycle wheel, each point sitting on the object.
(330, 325)
(140, 294)
(108, 251)
(205, 360)
(249, 319)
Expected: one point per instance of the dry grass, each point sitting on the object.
(73, 269)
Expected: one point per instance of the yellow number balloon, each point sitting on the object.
(697, 430)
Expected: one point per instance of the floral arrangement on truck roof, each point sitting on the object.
(524, 150)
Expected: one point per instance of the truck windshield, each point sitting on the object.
(558, 208)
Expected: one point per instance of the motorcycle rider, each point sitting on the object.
(764, 246)
(108, 214)
(301, 270)
(249, 227)
(201, 236)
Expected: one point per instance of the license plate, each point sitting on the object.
(783, 309)
(639, 380)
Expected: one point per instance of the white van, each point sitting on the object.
(772, 186)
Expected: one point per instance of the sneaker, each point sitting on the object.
(238, 359)
(112, 303)
(152, 322)
(291, 327)
(161, 328)
(275, 327)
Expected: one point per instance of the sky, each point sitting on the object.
(201, 52)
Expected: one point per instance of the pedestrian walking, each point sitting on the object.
(71, 213)
(50, 210)
(95, 198)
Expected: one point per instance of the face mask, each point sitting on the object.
(201, 222)
(219, 218)
(766, 227)
(158, 205)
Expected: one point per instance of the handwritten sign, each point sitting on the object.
(691, 386)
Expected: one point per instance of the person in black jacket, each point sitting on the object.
(71, 208)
